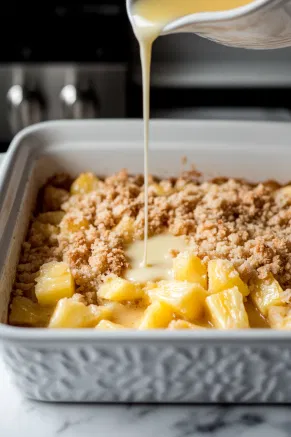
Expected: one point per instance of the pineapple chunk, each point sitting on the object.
(157, 315)
(186, 299)
(157, 189)
(119, 289)
(188, 267)
(101, 312)
(54, 282)
(53, 198)
(256, 319)
(227, 310)
(266, 293)
(106, 325)
(85, 183)
(70, 313)
(125, 228)
(148, 286)
(126, 315)
(74, 224)
(283, 195)
(163, 188)
(183, 324)
(222, 275)
(51, 217)
(25, 312)
(279, 317)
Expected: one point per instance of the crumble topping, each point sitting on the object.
(248, 224)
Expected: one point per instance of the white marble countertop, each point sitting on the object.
(22, 418)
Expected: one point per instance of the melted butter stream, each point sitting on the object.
(149, 18)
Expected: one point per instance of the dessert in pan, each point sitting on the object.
(218, 255)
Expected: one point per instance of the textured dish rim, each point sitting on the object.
(39, 335)
(46, 335)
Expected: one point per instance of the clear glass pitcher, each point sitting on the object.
(261, 24)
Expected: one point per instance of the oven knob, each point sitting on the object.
(79, 103)
(26, 107)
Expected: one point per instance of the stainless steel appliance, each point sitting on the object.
(62, 60)
(196, 78)
(81, 60)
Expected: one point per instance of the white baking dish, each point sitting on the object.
(132, 366)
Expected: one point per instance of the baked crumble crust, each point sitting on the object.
(248, 224)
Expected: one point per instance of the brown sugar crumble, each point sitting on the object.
(248, 224)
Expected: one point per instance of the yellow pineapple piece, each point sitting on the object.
(148, 286)
(54, 282)
(157, 189)
(106, 325)
(74, 224)
(25, 312)
(188, 267)
(126, 229)
(163, 188)
(157, 315)
(51, 217)
(222, 275)
(119, 289)
(283, 195)
(85, 183)
(100, 312)
(279, 317)
(70, 313)
(127, 315)
(53, 198)
(185, 298)
(266, 293)
(227, 310)
(256, 319)
(183, 324)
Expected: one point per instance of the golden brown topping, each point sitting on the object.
(244, 223)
